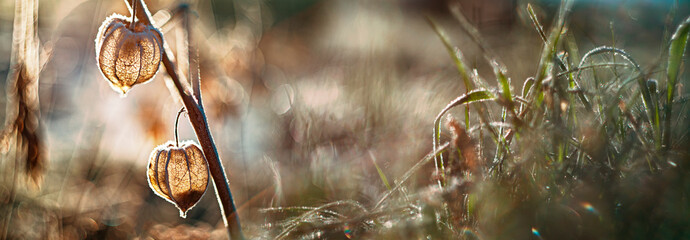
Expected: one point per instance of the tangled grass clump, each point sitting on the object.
(589, 148)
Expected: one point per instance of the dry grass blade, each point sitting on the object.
(606, 49)
(293, 224)
(299, 209)
(409, 173)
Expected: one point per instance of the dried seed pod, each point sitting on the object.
(178, 174)
(128, 53)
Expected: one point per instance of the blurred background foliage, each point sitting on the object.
(310, 102)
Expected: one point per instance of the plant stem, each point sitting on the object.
(197, 117)
(134, 13)
(177, 121)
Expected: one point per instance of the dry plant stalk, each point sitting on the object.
(23, 124)
(197, 116)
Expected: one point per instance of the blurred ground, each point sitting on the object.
(303, 97)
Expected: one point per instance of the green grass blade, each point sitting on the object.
(454, 53)
(382, 175)
(474, 34)
(507, 101)
(535, 21)
(459, 61)
(505, 84)
(675, 58)
(549, 50)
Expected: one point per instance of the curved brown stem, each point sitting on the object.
(177, 121)
(197, 117)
